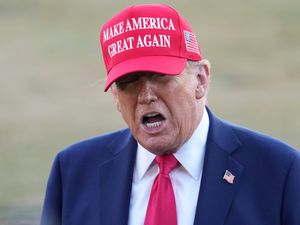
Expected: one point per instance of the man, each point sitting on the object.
(177, 164)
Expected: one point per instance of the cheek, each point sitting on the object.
(118, 105)
(184, 106)
(116, 98)
(177, 106)
(127, 108)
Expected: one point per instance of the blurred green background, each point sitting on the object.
(52, 78)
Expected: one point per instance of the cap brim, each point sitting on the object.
(158, 64)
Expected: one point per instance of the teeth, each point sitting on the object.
(151, 125)
(151, 114)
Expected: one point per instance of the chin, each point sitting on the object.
(159, 150)
(158, 145)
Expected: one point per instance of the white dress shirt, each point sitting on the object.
(185, 178)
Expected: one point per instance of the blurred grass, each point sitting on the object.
(52, 77)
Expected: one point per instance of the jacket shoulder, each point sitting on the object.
(265, 149)
(92, 149)
(261, 140)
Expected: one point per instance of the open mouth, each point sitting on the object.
(153, 120)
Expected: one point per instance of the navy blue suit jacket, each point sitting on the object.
(90, 182)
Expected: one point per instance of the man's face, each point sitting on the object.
(161, 111)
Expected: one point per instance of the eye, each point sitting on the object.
(125, 81)
(157, 75)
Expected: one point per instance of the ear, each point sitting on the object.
(114, 91)
(203, 78)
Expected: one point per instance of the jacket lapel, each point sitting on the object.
(115, 176)
(216, 194)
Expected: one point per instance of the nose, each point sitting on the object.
(146, 92)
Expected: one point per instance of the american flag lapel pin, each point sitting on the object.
(229, 177)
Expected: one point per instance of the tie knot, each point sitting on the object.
(166, 163)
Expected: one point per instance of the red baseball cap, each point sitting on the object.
(149, 37)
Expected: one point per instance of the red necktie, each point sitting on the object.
(162, 206)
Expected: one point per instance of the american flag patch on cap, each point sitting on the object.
(191, 42)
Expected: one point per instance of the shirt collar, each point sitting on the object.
(190, 154)
(144, 158)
